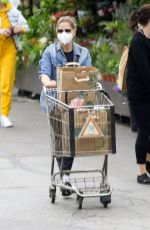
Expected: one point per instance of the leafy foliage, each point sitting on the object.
(42, 30)
(105, 39)
(138, 3)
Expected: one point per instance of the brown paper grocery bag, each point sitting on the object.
(88, 144)
(76, 78)
(122, 74)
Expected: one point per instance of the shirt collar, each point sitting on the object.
(58, 46)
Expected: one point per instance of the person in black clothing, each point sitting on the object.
(138, 88)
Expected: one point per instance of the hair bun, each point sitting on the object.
(134, 19)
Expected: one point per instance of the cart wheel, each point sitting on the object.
(52, 194)
(53, 187)
(105, 200)
(79, 201)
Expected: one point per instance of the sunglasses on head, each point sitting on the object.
(61, 31)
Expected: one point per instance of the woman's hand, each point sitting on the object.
(6, 32)
(51, 84)
(47, 82)
(17, 29)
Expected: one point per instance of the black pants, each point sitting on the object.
(67, 164)
(141, 113)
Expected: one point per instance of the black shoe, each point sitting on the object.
(148, 166)
(143, 179)
(66, 192)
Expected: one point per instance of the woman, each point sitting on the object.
(12, 23)
(58, 54)
(138, 88)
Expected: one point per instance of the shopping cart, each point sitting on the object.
(87, 130)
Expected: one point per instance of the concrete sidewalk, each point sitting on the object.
(25, 179)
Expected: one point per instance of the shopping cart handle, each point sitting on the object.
(72, 64)
(82, 79)
(99, 86)
(45, 89)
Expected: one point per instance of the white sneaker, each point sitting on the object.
(5, 122)
(66, 178)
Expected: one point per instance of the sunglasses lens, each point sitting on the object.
(59, 31)
(66, 30)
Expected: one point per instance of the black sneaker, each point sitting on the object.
(148, 166)
(66, 192)
(143, 179)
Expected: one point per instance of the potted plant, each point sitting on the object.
(106, 58)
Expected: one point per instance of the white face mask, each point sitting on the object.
(65, 38)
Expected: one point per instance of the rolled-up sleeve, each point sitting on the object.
(45, 64)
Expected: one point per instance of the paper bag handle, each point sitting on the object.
(82, 79)
(72, 64)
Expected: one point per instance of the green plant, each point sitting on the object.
(106, 53)
(138, 3)
(85, 21)
(123, 11)
(104, 57)
(42, 30)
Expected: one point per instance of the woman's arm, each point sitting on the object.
(18, 22)
(45, 70)
(139, 54)
(22, 22)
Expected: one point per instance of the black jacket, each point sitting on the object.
(138, 69)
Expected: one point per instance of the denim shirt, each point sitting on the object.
(54, 57)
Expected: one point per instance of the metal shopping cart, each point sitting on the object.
(87, 130)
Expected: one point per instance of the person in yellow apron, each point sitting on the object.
(12, 23)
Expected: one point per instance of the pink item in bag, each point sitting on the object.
(76, 102)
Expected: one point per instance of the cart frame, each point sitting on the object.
(104, 189)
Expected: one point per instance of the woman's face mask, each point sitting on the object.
(65, 36)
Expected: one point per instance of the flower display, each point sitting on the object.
(59, 14)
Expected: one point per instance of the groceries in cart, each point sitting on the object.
(76, 102)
